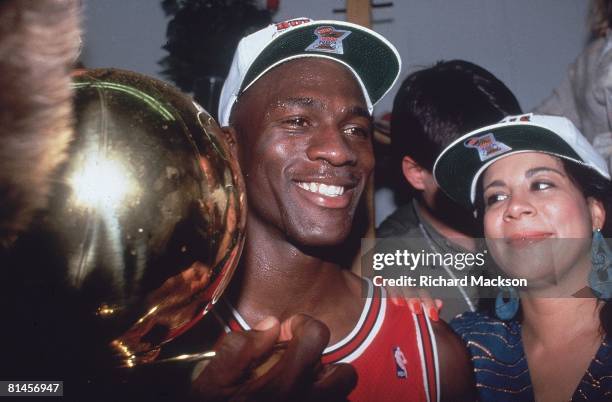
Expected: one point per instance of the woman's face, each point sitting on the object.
(537, 222)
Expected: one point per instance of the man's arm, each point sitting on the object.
(456, 371)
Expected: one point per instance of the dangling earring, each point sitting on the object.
(506, 309)
(600, 277)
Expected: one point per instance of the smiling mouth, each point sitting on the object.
(527, 239)
(327, 190)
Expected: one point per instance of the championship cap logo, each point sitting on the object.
(281, 26)
(400, 363)
(329, 39)
(487, 146)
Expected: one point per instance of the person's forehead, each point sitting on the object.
(317, 79)
(304, 72)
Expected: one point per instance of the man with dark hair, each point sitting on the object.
(433, 107)
(298, 101)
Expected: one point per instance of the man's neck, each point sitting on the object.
(447, 231)
(277, 278)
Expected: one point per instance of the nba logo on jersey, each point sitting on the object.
(400, 363)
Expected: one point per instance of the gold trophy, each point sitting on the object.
(143, 229)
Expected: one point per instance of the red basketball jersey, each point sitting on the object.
(392, 350)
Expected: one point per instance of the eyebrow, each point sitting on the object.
(529, 174)
(313, 103)
(359, 111)
(532, 172)
(305, 102)
(495, 183)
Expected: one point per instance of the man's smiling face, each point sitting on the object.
(304, 134)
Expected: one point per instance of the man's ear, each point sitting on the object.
(598, 212)
(413, 172)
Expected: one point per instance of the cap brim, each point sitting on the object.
(459, 166)
(374, 61)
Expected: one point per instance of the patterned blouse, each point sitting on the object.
(500, 366)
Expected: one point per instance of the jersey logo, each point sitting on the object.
(329, 40)
(487, 146)
(400, 363)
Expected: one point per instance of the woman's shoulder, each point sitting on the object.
(497, 356)
(470, 317)
(486, 332)
(470, 321)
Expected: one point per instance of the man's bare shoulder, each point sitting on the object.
(456, 372)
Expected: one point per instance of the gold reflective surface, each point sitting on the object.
(146, 221)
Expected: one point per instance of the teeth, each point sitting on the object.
(323, 189)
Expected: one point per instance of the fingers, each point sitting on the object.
(293, 375)
(234, 356)
(306, 339)
(287, 327)
(299, 375)
(419, 301)
(403, 296)
(335, 382)
(399, 296)
(429, 306)
(415, 305)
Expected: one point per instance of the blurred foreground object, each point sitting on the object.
(39, 41)
(142, 233)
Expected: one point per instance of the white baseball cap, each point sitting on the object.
(371, 58)
(459, 166)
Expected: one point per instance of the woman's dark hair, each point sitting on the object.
(594, 185)
(591, 184)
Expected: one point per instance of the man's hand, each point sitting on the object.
(235, 373)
